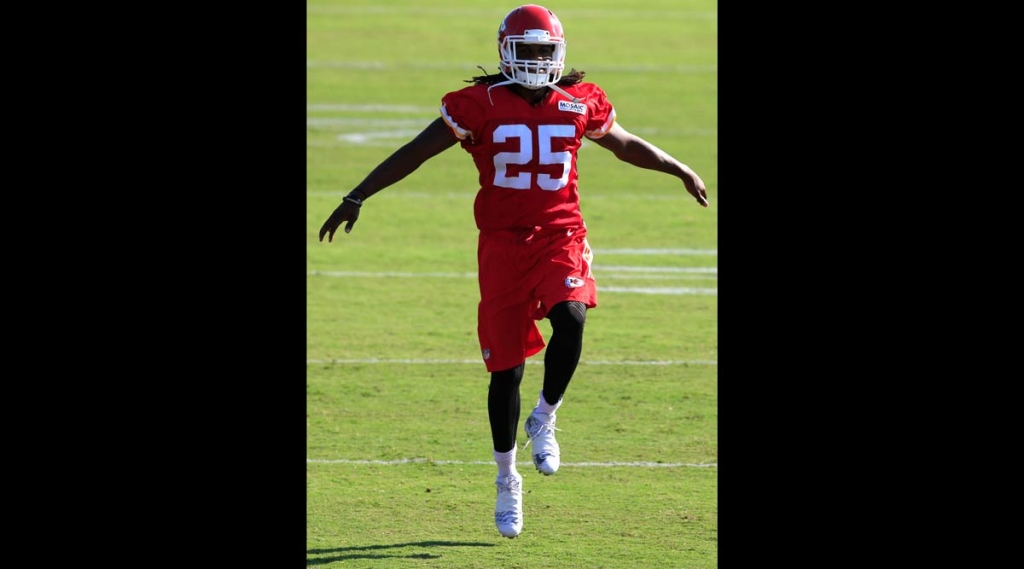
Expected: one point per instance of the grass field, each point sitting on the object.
(399, 467)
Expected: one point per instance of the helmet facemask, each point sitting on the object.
(531, 25)
(532, 73)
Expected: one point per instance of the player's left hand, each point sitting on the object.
(695, 186)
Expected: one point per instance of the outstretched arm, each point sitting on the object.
(433, 140)
(636, 151)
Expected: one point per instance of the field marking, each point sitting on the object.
(419, 66)
(367, 137)
(649, 251)
(375, 123)
(410, 194)
(379, 132)
(381, 137)
(597, 270)
(650, 277)
(671, 291)
(602, 268)
(371, 108)
(473, 13)
(391, 274)
(491, 463)
(407, 361)
(387, 130)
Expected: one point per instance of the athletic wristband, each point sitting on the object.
(352, 199)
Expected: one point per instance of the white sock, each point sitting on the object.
(545, 407)
(506, 462)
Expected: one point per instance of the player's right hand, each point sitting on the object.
(348, 211)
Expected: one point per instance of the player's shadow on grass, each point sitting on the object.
(333, 558)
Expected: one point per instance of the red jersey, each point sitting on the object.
(526, 154)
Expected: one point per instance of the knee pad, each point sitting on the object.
(568, 315)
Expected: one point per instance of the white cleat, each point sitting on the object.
(508, 512)
(540, 427)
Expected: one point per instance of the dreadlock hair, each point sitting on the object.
(571, 78)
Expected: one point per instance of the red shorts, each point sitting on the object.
(522, 275)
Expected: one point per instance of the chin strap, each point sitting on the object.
(553, 87)
(567, 95)
(496, 85)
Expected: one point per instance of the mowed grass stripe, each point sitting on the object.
(519, 463)
(528, 362)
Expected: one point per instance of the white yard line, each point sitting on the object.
(400, 461)
(415, 361)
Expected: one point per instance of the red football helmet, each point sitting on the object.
(531, 24)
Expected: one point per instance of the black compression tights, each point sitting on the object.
(560, 361)
(564, 348)
(503, 406)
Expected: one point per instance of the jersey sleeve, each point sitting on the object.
(458, 110)
(601, 115)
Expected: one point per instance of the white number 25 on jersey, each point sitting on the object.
(545, 133)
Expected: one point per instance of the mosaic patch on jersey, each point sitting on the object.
(572, 107)
(486, 354)
(573, 282)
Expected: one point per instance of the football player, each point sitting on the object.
(523, 128)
